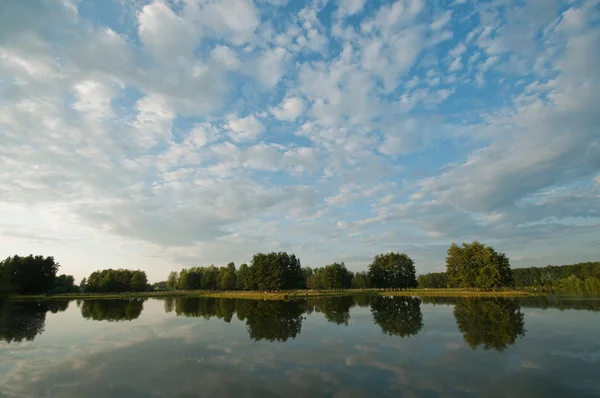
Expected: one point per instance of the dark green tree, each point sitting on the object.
(227, 279)
(493, 323)
(275, 271)
(335, 276)
(31, 274)
(172, 280)
(64, 284)
(360, 280)
(397, 316)
(433, 280)
(242, 275)
(475, 265)
(392, 270)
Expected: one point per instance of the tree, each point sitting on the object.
(397, 316)
(242, 277)
(227, 279)
(30, 275)
(392, 270)
(172, 280)
(433, 280)
(335, 276)
(360, 280)
(83, 285)
(64, 284)
(138, 281)
(275, 271)
(116, 281)
(475, 265)
(490, 323)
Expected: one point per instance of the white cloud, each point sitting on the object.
(269, 66)
(245, 129)
(289, 109)
(165, 33)
(350, 7)
(226, 57)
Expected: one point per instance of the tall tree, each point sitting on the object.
(172, 280)
(242, 277)
(31, 274)
(392, 270)
(475, 265)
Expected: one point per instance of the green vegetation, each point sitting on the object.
(115, 281)
(434, 280)
(581, 279)
(333, 276)
(392, 270)
(476, 266)
(33, 275)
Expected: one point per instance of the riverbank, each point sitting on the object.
(284, 295)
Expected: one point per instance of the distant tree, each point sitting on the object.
(64, 284)
(116, 281)
(360, 280)
(306, 273)
(275, 271)
(160, 285)
(490, 323)
(335, 276)
(83, 285)
(227, 278)
(433, 280)
(475, 265)
(392, 270)
(397, 316)
(242, 277)
(183, 281)
(30, 275)
(172, 280)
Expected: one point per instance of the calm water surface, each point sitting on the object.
(337, 347)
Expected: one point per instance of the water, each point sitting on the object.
(342, 347)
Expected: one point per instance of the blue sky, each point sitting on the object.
(165, 134)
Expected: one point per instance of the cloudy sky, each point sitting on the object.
(163, 134)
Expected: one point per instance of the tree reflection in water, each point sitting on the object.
(24, 320)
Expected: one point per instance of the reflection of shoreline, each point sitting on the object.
(274, 320)
(541, 302)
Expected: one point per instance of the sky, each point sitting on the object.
(158, 135)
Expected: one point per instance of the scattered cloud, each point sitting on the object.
(169, 130)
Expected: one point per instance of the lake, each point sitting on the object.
(336, 347)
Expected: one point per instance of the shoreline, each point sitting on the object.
(283, 295)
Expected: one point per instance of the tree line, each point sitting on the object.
(115, 281)
(466, 269)
(489, 323)
(33, 275)
(283, 271)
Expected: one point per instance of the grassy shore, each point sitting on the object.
(285, 295)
